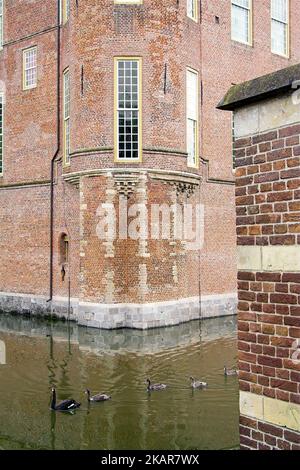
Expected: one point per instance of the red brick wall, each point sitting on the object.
(257, 435)
(125, 285)
(267, 188)
(24, 240)
(268, 214)
(98, 30)
(226, 62)
(30, 116)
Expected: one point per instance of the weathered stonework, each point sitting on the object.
(110, 316)
(167, 41)
(267, 150)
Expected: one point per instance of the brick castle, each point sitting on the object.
(105, 103)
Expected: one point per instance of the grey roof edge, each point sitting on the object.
(260, 88)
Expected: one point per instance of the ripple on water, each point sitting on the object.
(41, 355)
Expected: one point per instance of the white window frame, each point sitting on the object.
(1, 23)
(27, 86)
(66, 117)
(235, 4)
(119, 110)
(2, 135)
(192, 160)
(192, 9)
(65, 10)
(286, 54)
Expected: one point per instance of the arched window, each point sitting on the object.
(64, 249)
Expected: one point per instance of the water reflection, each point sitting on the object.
(43, 354)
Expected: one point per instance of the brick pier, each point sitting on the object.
(267, 162)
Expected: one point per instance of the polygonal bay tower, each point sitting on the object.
(113, 157)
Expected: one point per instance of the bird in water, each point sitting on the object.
(97, 398)
(230, 372)
(155, 387)
(66, 405)
(197, 383)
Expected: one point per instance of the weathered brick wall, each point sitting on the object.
(131, 270)
(227, 62)
(258, 435)
(268, 195)
(30, 116)
(268, 236)
(161, 34)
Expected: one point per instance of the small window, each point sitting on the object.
(241, 21)
(30, 68)
(64, 249)
(192, 10)
(1, 133)
(66, 9)
(192, 116)
(280, 27)
(66, 115)
(1, 24)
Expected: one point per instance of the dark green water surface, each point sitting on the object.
(40, 354)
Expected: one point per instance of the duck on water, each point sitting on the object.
(197, 383)
(66, 405)
(97, 398)
(155, 387)
(230, 372)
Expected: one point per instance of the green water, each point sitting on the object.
(39, 355)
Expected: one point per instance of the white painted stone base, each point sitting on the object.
(114, 316)
(277, 412)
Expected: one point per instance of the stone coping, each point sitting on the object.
(260, 88)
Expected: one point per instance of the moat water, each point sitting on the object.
(36, 355)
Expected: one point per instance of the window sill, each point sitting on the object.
(195, 20)
(241, 43)
(283, 56)
(128, 161)
(30, 88)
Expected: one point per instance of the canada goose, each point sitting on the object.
(230, 372)
(155, 387)
(66, 405)
(97, 398)
(197, 384)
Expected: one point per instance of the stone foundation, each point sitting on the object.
(135, 316)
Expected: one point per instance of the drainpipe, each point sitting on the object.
(54, 157)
